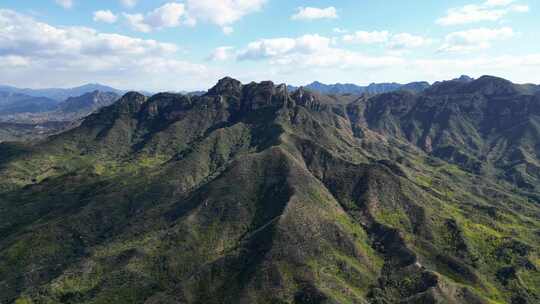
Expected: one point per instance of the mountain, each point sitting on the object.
(88, 103)
(374, 88)
(61, 94)
(252, 193)
(32, 118)
(13, 103)
(464, 78)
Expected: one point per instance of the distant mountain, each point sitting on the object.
(13, 103)
(464, 79)
(21, 108)
(252, 193)
(374, 88)
(88, 103)
(62, 94)
(29, 118)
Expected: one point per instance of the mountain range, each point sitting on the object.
(32, 118)
(374, 88)
(253, 193)
(11, 103)
(59, 94)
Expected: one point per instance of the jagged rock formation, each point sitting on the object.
(255, 194)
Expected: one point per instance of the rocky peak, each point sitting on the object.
(226, 86)
(131, 102)
(263, 94)
(464, 79)
(490, 85)
(305, 98)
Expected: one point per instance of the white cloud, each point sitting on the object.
(129, 3)
(407, 41)
(520, 8)
(498, 2)
(311, 51)
(470, 14)
(83, 54)
(393, 41)
(165, 16)
(475, 39)
(312, 13)
(365, 37)
(22, 35)
(491, 10)
(65, 3)
(137, 22)
(223, 13)
(268, 48)
(105, 16)
(222, 53)
(14, 61)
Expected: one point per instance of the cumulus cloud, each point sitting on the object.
(312, 13)
(398, 41)
(129, 3)
(311, 51)
(267, 48)
(367, 37)
(105, 16)
(165, 16)
(407, 41)
(222, 53)
(65, 3)
(137, 22)
(498, 2)
(22, 35)
(491, 10)
(475, 39)
(520, 8)
(69, 53)
(223, 13)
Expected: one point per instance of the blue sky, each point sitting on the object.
(190, 44)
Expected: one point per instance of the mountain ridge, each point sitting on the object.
(373, 88)
(60, 94)
(251, 193)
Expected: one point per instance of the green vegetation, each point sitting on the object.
(250, 194)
